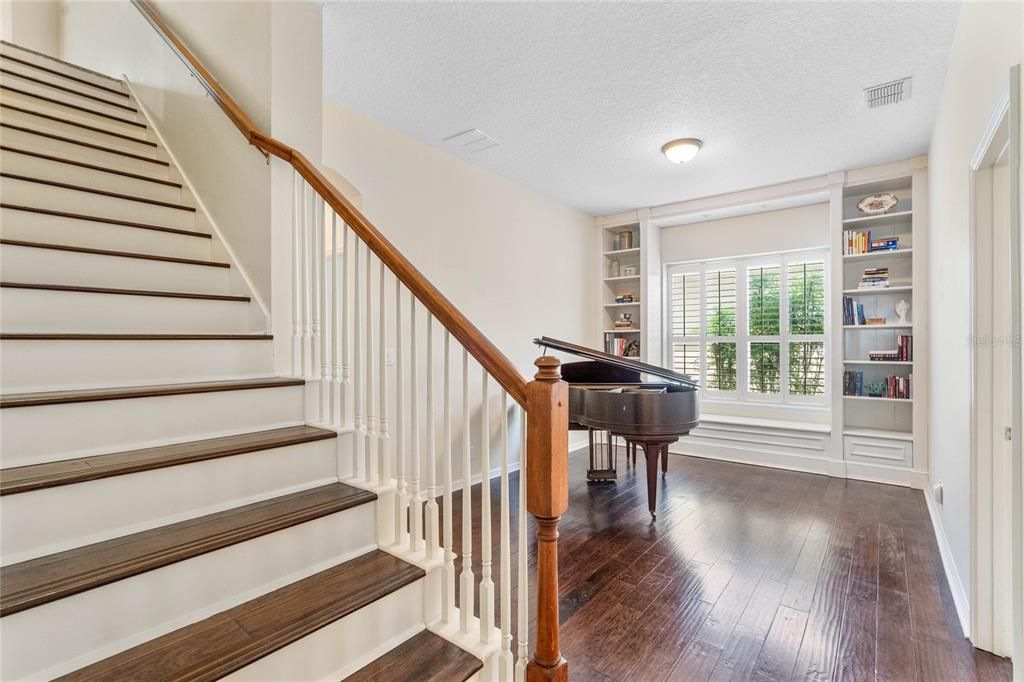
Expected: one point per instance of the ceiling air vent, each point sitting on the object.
(471, 141)
(892, 92)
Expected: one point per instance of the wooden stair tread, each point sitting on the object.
(52, 474)
(107, 221)
(60, 103)
(64, 88)
(123, 336)
(90, 166)
(232, 639)
(426, 657)
(101, 192)
(67, 121)
(39, 581)
(61, 74)
(59, 61)
(74, 288)
(12, 400)
(109, 252)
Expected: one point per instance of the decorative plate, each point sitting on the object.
(877, 204)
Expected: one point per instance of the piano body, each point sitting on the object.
(607, 393)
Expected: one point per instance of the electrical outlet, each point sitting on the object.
(389, 356)
(937, 492)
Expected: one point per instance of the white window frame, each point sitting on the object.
(743, 338)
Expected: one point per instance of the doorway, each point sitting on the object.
(997, 585)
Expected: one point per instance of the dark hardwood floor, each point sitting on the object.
(750, 573)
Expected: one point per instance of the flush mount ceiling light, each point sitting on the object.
(681, 151)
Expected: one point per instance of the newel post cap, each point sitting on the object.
(547, 369)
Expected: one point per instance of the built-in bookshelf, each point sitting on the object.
(878, 398)
(620, 263)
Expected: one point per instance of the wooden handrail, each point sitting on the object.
(472, 339)
(228, 105)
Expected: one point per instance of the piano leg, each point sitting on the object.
(651, 453)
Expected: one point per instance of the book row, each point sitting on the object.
(856, 242)
(892, 386)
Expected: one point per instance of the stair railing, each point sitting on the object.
(358, 306)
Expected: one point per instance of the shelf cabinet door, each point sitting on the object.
(890, 452)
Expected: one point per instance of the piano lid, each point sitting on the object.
(616, 360)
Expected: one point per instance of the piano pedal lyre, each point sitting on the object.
(603, 459)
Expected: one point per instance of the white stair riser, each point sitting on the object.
(29, 366)
(50, 266)
(100, 622)
(43, 123)
(28, 435)
(45, 169)
(49, 229)
(46, 145)
(343, 647)
(27, 56)
(20, 80)
(26, 193)
(36, 523)
(118, 124)
(39, 310)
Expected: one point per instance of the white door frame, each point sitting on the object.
(996, 538)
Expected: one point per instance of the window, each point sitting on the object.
(752, 328)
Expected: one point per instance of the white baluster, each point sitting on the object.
(296, 274)
(486, 583)
(307, 284)
(523, 583)
(372, 444)
(415, 500)
(402, 498)
(504, 547)
(345, 409)
(433, 539)
(319, 356)
(383, 449)
(448, 585)
(358, 466)
(335, 387)
(467, 583)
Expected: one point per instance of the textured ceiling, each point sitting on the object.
(581, 96)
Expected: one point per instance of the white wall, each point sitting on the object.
(34, 24)
(518, 264)
(988, 41)
(782, 230)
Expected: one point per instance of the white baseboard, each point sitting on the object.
(956, 585)
(889, 475)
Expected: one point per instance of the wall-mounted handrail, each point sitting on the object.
(479, 346)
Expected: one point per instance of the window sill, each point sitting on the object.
(789, 425)
(753, 411)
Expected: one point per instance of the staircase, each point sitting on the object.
(167, 511)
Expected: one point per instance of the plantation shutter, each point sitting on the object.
(806, 289)
(720, 326)
(684, 304)
(807, 297)
(763, 291)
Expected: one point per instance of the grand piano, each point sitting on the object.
(607, 394)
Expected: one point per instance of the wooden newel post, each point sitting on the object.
(547, 498)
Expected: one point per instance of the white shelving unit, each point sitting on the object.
(614, 260)
(880, 437)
